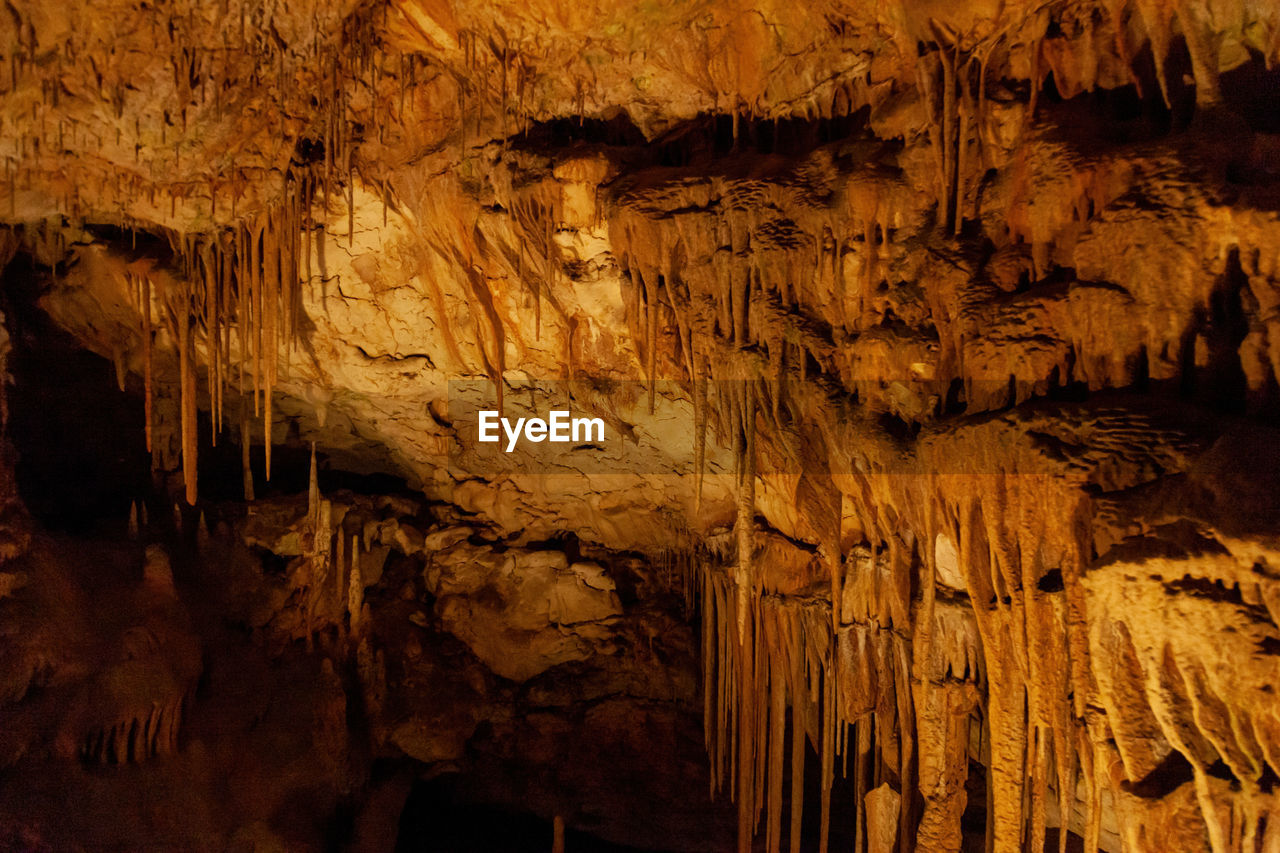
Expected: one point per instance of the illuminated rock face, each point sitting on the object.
(936, 350)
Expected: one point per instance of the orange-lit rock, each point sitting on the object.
(937, 347)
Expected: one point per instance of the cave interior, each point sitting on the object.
(933, 498)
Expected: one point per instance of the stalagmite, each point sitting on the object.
(557, 841)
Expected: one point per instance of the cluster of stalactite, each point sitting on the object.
(758, 664)
(845, 683)
(795, 285)
(533, 261)
(244, 281)
(303, 71)
(244, 241)
(738, 288)
(890, 664)
(211, 76)
(897, 682)
(1079, 50)
(151, 733)
(740, 285)
(535, 212)
(234, 270)
(234, 302)
(495, 81)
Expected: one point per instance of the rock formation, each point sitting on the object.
(936, 347)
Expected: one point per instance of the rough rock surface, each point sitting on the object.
(937, 342)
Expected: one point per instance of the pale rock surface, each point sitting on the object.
(982, 298)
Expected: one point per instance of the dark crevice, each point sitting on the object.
(1168, 776)
(82, 457)
(1252, 91)
(703, 141)
(81, 448)
(1051, 581)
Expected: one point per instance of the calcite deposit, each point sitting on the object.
(937, 348)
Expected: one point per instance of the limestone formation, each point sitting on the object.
(937, 349)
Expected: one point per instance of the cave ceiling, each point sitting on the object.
(935, 345)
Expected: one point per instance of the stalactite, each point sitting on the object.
(351, 205)
(831, 551)
(947, 212)
(308, 225)
(550, 267)
(313, 491)
(710, 677)
(1157, 19)
(270, 303)
(146, 360)
(700, 435)
(745, 524)
(777, 725)
(726, 753)
(828, 760)
(255, 310)
(118, 364)
(227, 287)
(245, 443)
(340, 576)
(746, 721)
(651, 315)
(208, 265)
(355, 589)
(571, 329)
(964, 113)
(798, 693)
(186, 373)
(288, 273)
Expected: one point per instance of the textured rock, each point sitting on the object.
(937, 346)
(107, 679)
(522, 612)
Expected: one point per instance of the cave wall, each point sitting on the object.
(939, 343)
